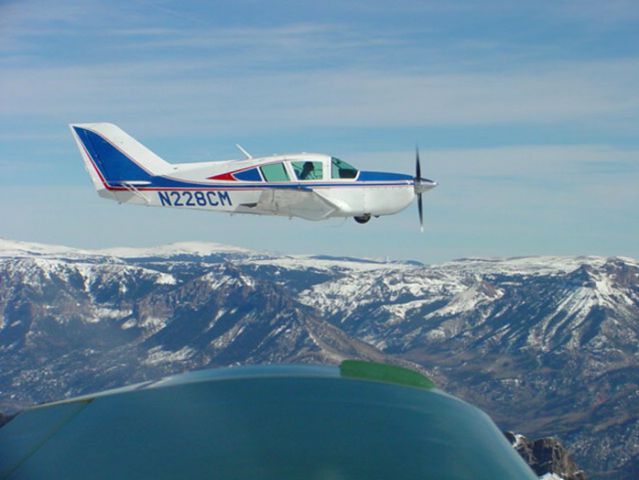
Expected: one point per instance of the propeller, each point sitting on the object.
(421, 185)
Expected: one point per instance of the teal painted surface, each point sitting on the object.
(318, 426)
(249, 371)
(26, 433)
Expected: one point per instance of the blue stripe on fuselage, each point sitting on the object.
(161, 183)
(365, 176)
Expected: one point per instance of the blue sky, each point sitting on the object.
(527, 113)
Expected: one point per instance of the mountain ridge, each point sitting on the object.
(546, 345)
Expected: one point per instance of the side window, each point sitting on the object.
(341, 169)
(307, 170)
(274, 172)
(250, 175)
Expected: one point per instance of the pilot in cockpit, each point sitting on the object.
(307, 170)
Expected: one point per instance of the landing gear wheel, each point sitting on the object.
(363, 218)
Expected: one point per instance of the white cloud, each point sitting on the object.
(194, 94)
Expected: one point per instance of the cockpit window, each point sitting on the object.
(341, 169)
(274, 172)
(307, 170)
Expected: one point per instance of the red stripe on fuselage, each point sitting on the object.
(224, 176)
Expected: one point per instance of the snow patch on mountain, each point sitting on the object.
(157, 355)
(152, 323)
(18, 249)
(198, 249)
(539, 265)
(469, 299)
(296, 262)
(109, 313)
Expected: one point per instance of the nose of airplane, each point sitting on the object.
(421, 184)
(424, 184)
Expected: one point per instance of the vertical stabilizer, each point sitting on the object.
(115, 159)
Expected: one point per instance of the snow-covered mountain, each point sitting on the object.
(547, 345)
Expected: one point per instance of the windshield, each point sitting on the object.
(341, 169)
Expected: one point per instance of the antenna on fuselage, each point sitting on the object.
(248, 155)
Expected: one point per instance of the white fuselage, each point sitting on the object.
(344, 197)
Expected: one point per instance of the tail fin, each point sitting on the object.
(113, 158)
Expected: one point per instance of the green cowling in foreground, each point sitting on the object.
(357, 421)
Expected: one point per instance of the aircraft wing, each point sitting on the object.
(299, 202)
(360, 420)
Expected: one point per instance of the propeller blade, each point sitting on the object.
(420, 209)
(418, 178)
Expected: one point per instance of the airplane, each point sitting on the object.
(311, 186)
